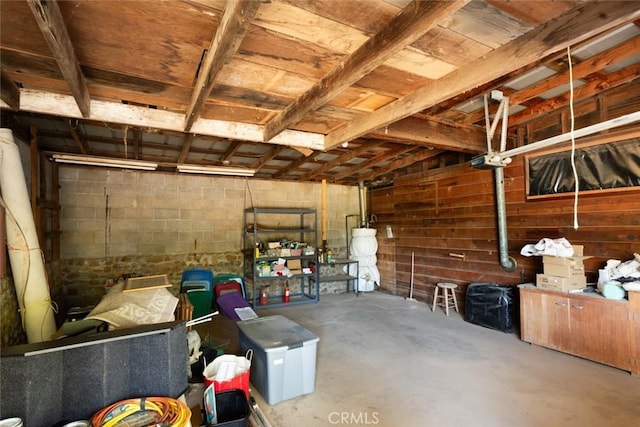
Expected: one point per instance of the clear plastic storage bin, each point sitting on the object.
(284, 357)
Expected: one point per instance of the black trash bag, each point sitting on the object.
(490, 305)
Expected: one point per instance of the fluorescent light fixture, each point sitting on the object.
(104, 161)
(216, 170)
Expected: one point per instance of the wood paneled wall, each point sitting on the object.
(451, 210)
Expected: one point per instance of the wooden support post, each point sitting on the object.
(324, 215)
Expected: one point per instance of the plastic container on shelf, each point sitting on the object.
(284, 357)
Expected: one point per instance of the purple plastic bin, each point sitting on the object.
(229, 301)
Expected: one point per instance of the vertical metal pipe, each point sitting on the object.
(363, 205)
(506, 262)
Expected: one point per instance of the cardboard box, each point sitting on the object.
(556, 283)
(576, 261)
(563, 270)
(295, 266)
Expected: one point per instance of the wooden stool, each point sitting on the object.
(446, 297)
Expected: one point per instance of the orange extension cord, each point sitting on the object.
(145, 411)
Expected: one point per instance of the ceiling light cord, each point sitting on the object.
(573, 144)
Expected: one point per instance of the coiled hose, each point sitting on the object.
(145, 411)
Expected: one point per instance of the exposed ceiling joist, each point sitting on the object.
(234, 24)
(429, 133)
(271, 154)
(186, 146)
(9, 92)
(579, 70)
(233, 148)
(369, 164)
(133, 115)
(295, 165)
(344, 158)
(578, 24)
(411, 23)
(418, 156)
(80, 143)
(51, 23)
(588, 90)
(141, 81)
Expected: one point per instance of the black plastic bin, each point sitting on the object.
(232, 409)
(490, 305)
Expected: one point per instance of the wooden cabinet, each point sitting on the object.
(584, 325)
(551, 325)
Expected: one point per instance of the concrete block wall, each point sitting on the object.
(108, 213)
(119, 221)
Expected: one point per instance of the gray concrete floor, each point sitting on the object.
(385, 361)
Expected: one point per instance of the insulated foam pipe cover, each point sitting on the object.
(71, 379)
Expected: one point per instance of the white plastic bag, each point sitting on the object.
(552, 247)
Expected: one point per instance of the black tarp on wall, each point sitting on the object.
(606, 166)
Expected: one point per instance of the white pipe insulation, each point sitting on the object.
(25, 256)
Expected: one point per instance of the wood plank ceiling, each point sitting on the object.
(345, 91)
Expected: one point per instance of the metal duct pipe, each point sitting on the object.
(363, 205)
(506, 262)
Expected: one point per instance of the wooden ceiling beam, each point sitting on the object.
(112, 112)
(447, 110)
(354, 171)
(273, 152)
(342, 159)
(418, 156)
(430, 133)
(52, 26)
(295, 164)
(9, 92)
(580, 70)
(235, 21)
(233, 148)
(80, 142)
(137, 143)
(580, 23)
(588, 90)
(410, 24)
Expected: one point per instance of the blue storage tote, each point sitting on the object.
(197, 277)
(284, 357)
